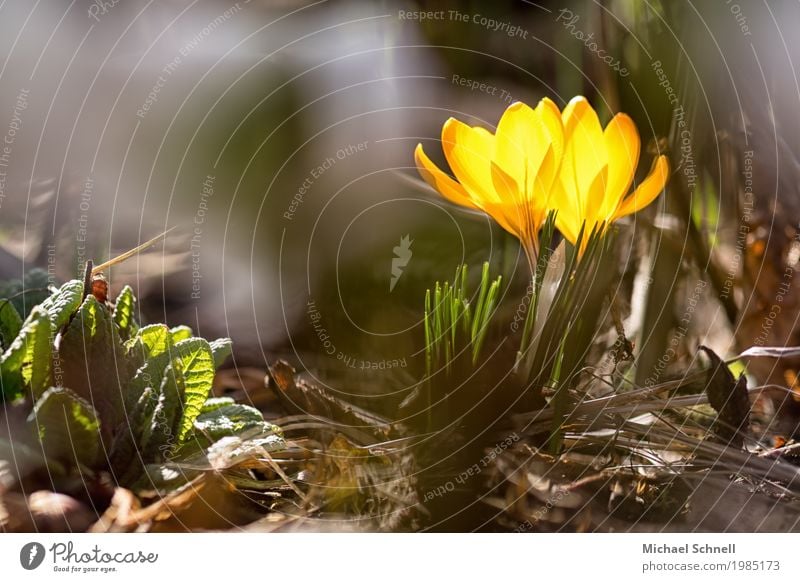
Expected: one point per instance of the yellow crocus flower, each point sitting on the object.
(543, 159)
(510, 174)
(597, 170)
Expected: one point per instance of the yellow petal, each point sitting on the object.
(469, 151)
(568, 217)
(440, 181)
(551, 164)
(545, 181)
(584, 152)
(585, 140)
(510, 211)
(622, 145)
(524, 138)
(648, 190)
(595, 199)
(572, 112)
(514, 142)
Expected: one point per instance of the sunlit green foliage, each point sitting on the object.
(106, 393)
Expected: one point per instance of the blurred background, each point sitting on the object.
(278, 137)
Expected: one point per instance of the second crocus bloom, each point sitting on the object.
(597, 171)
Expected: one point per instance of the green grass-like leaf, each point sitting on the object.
(453, 324)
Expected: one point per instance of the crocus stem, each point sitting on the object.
(532, 254)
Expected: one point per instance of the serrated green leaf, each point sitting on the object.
(63, 303)
(214, 403)
(222, 349)
(122, 457)
(233, 420)
(95, 364)
(153, 340)
(10, 323)
(38, 357)
(27, 293)
(142, 413)
(67, 426)
(159, 438)
(180, 333)
(152, 346)
(26, 363)
(124, 313)
(196, 366)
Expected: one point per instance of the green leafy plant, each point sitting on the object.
(567, 293)
(27, 292)
(107, 394)
(453, 324)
